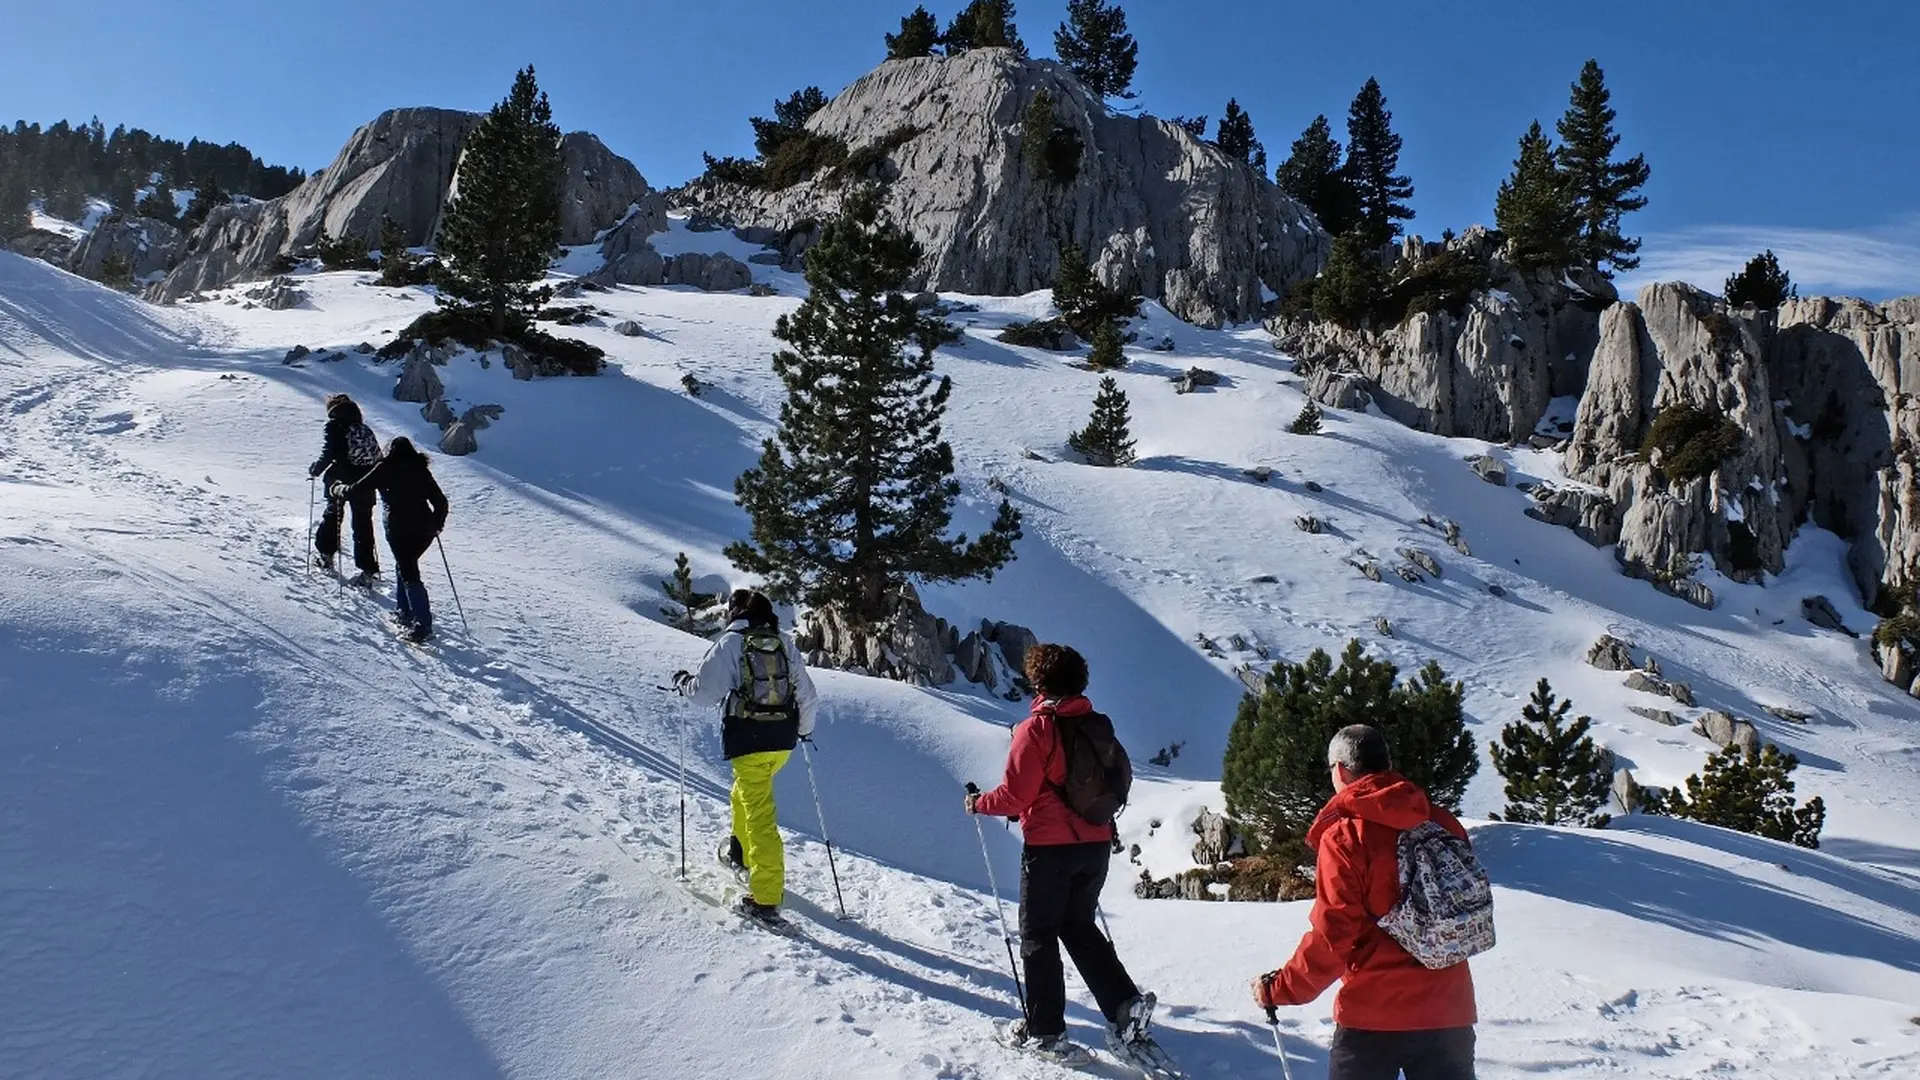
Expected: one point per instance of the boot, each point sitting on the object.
(418, 608)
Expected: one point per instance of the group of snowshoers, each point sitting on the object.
(354, 471)
(1399, 903)
(1398, 942)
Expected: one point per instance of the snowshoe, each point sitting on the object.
(731, 857)
(1058, 1048)
(365, 579)
(323, 562)
(418, 634)
(763, 915)
(1130, 1041)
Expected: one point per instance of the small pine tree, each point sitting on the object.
(503, 223)
(1274, 774)
(685, 614)
(1762, 283)
(1555, 774)
(789, 120)
(1312, 174)
(1309, 420)
(1095, 46)
(1036, 127)
(1195, 126)
(1106, 440)
(853, 497)
(1535, 206)
(1749, 792)
(396, 261)
(1373, 156)
(206, 198)
(115, 273)
(1603, 189)
(1350, 284)
(1235, 138)
(1108, 349)
(984, 24)
(159, 204)
(919, 33)
(1084, 302)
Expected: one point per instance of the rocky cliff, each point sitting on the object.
(147, 247)
(403, 165)
(1155, 210)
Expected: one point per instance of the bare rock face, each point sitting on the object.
(1488, 372)
(1590, 514)
(1609, 653)
(147, 246)
(481, 417)
(278, 294)
(1348, 390)
(438, 413)
(418, 381)
(1155, 210)
(709, 273)
(458, 441)
(1726, 731)
(910, 645)
(1819, 611)
(1677, 346)
(403, 166)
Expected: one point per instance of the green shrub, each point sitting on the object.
(1444, 282)
(732, 170)
(1309, 420)
(1052, 149)
(1038, 334)
(1899, 631)
(869, 161)
(1084, 301)
(800, 157)
(1692, 441)
(1747, 792)
(551, 355)
(343, 253)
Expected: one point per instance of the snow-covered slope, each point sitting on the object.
(249, 834)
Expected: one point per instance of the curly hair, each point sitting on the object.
(1056, 671)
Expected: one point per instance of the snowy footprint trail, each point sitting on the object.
(250, 834)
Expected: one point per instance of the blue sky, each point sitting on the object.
(1794, 126)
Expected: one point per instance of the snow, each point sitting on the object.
(251, 835)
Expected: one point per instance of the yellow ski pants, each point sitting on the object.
(756, 823)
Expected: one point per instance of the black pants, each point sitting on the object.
(1059, 888)
(407, 549)
(326, 540)
(1438, 1054)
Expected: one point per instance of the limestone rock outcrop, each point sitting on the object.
(145, 245)
(1155, 210)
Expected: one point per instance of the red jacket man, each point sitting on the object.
(1392, 1014)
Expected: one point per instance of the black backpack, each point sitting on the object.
(363, 449)
(1099, 774)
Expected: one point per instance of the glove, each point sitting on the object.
(338, 491)
(313, 471)
(682, 679)
(972, 797)
(1264, 989)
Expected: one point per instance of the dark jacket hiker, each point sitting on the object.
(348, 451)
(416, 511)
(1064, 862)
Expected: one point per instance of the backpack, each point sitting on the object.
(1099, 775)
(363, 449)
(765, 692)
(1445, 912)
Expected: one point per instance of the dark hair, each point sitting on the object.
(1361, 748)
(1056, 671)
(752, 606)
(402, 447)
(334, 400)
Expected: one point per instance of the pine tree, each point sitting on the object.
(1555, 774)
(1350, 284)
(1535, 207)
(1373, 155)
(66, 202)
(1312, 174)
(1085, 304)
(984, 24)
(1762, 283)
(919, 33)
(115, 273)
(1309, 420)
(1108, 353)
(1105, 440)
(1274, 774)
(206, 198)
(1195, 126)
(789, 120)
(1095, 46)
(1749, 792)
(854, 496)
(503, 223)
(159, 204)
(13, 204)
(1603, 189)
(1235, 138)
(396, 260)
(685, 614)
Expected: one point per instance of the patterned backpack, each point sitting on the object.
(765, 692)
(363, 449)
(1445, 913)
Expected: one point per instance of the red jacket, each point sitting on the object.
(1036, 768)
(1358, 880)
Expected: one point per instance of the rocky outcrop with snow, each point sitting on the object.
(147, 247)
(1156, 210)
(403, 165)
(1487, 371)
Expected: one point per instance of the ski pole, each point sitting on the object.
(450, 588)
(310, 503)
(683, 797)
(1020, 991)
(811, 782)
(1279, 1042)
